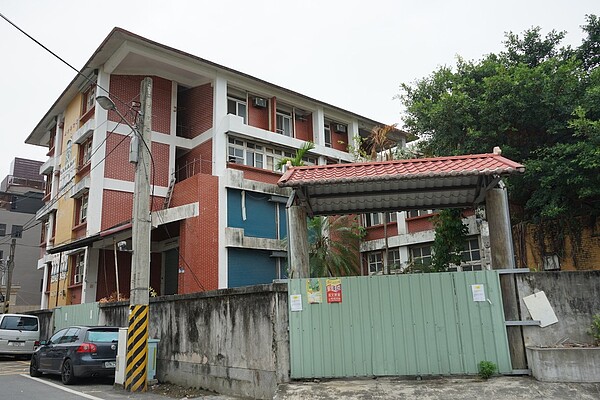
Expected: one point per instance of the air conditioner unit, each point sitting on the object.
(260, 102)
(341, 128)
(77, 279)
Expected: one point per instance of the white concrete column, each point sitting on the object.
(352, 133)
(173, 129)
(404, 256)
(90, 275)
(219, 168)
(44, 299)
(94, 215)
(402, 223)
(219, 135)
(318, 126)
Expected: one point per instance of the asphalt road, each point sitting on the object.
(15, 383)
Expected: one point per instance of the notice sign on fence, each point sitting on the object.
(334, 290)
(313, 291)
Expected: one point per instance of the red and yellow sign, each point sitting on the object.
(334, 290)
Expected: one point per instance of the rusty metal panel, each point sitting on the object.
(418, 324)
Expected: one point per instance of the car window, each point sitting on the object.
(56, 337)
(70, 336)
(102, 336)
(19, 323)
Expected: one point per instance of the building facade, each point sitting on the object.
(21, 195)
(217, 137)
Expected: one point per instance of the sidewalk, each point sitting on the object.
(501, 388)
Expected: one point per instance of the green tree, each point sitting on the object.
(334, 246)
(450, 236)
(540, 103)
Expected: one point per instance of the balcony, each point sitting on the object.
(48, 166)
(80, 187)
(85, 131)
(47, 209)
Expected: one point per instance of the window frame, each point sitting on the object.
(375, 259)
(237, 103)
(284, 116)
(414, 258)
(16, 231)
(327, 134)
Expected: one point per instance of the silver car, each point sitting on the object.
(19, 334)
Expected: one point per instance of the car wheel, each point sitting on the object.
(66, 373)
(33, 368)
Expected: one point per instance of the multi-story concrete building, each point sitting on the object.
(410, 235)
(21, 195)
(217, 136)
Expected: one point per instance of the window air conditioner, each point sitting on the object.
(260, 102)
(78, 279)
(340, 128)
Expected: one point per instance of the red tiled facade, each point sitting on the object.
(195, 111)
(117, 208)
(258, 116)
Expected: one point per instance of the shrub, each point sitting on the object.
(487, 369)
(595, 329)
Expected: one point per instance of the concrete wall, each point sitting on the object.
(575, 298)
(232, 341)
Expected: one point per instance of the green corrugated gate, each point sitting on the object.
(417, 324)
(79, 314)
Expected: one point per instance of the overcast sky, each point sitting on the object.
(353, 54)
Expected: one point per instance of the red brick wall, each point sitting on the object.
(199, 236)
(304, 129)
(256, 174)
(258, 117)
(117, 208)
(419, 224)
(196, 161)
(160, 157)
(376, 232)
(194, 111)
(126, 88)
(339, 141)
(117, 165)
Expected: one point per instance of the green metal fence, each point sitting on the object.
(78, 314)
(417, 324)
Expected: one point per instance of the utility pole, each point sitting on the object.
(137, 331)
(10, 267)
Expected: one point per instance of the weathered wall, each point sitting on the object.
(575, 298)
(232, 341)
(46, 322)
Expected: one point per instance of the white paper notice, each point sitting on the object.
(478, 292)
(296, 302)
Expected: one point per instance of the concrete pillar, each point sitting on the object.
(496, 207)
(502, 257)
(298, 242)
(90, 275)
(44, 299)
(319, 126)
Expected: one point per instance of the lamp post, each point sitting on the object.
(137, 331)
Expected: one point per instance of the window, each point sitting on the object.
(102, 336)
(327, 136)
(373, 219)
(421, 255)
(284, 123)
(18, 323)
(90, 99)
(392, 217)
(418, 213)
(259, 156)
(394, 258)
(56, 337)
(78, 265)
(83, 206)
(86, 151)
(471, 251)
(70, 336)
(375, 262)
(2, 229)
(551, 263)
(237, 107)
(17, 231)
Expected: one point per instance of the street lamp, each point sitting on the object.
(134, 147)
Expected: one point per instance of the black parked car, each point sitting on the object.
(77, 351)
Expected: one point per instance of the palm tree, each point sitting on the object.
(379, 144)
(300, 154)
(334, 246)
